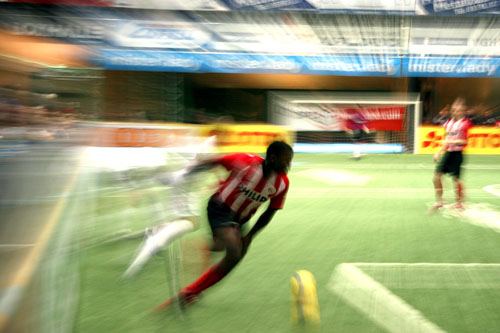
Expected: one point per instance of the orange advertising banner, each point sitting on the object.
(481, 140)
(137, 135)
(248, 138)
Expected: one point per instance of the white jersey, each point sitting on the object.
(186, 198)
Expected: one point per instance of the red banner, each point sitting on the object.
(376, 118)
(388, 118)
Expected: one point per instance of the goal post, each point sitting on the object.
(319, 119)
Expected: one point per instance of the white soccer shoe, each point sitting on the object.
(156, 239)
(149, 248)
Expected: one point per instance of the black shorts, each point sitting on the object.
(451, 163)
(220, 215)
(358, 136)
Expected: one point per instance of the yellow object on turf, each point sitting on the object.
(304, 300)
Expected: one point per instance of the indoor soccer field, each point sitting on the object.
(359, 226)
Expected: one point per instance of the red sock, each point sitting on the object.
(213, 275)
(439, 189)
(460, 192)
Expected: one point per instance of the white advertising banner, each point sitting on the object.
(308, 117)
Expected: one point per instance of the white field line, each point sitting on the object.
(380, 305)
(375, 193)
(493, 189)
(11, 247)
(478, 214)
(434, 275)
(15, 247)
(404, 166)
(334, 177)
(365, 287)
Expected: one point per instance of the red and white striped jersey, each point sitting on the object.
(455, 130)
(246, 189)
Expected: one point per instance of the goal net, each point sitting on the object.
(323, 117)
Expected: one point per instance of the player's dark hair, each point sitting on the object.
(278, 147)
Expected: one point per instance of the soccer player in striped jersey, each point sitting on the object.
(251, 182)
(455, 140)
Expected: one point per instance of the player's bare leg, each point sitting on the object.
(230, 238)
(459, 191)
(438, 188)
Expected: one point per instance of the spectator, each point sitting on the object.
(489, 118)
(442, 116)
(472, 115)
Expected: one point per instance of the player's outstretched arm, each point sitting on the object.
(263, 220)
(457, 141)
(201, 166)
(436, 155)
(172, 178)
(441, 149)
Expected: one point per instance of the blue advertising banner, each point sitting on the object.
(353, 65)
(451, 67)
(252, 63)
(246, 63)
(314, 65)
(150, 61)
